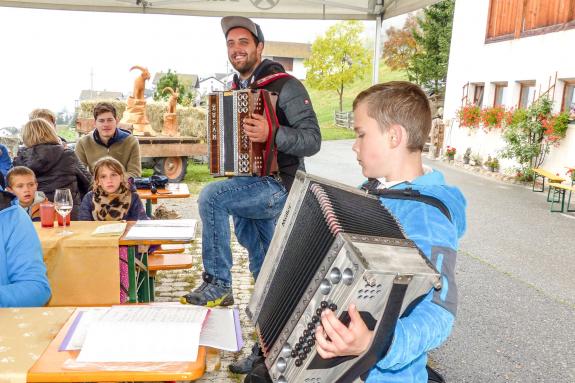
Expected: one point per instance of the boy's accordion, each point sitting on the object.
(333, 245)
(230, 151)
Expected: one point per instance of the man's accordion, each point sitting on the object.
(333, 245)
(230, 151)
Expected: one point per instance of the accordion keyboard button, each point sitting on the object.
(311, 342)
(311, 326)
(323, 305)
(333, 307)
(293, 353)
(306, 349)
(298, 362)
(318, 312)
(281, 364)
(315, 318)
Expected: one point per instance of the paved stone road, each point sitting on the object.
(171, 285)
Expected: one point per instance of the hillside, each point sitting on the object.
(326, 102)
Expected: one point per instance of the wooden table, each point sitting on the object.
(141, 287)
(50, 367)
(24, 335)
(83, 270)
(175, 190)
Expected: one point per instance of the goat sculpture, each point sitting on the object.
(140, 82)
(173, 99)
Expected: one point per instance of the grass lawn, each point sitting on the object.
(326, 102)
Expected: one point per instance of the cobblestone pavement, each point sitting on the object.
(172, 284)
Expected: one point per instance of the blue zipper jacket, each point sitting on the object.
(429, 324)
(23, 281)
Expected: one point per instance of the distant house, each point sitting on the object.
(211, 84)
(290, 55)
(191, 81)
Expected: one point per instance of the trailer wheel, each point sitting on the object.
(172, 167)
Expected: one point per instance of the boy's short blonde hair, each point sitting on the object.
(401, 103)
(18, 171)
(46, 114)
(39, 131)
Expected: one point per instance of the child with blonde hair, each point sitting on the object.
(113, 198)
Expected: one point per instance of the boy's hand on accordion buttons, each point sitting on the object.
(256, 128)
(343, 340)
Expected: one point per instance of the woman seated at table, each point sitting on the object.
(55, 166)
(113, 198)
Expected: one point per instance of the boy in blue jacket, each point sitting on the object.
(23, 281)
(392, 122)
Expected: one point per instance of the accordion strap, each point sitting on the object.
(409, 194)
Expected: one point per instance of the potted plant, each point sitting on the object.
(450, 153)
(476, 160)
(493, 164)
(467, 156)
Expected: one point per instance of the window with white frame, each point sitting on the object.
(500, 92)
(568, 103)
(478, 90)
(527, 94)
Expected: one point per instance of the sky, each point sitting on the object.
(49, 56)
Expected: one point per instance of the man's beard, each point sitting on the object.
(245, 68)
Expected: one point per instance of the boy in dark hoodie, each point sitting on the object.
(109, 140)
(21, 181)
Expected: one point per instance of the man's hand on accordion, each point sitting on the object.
(333, 338)
(256, 128)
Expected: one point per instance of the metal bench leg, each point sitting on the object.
(569, 203)
(560, 193)
(535, 176)
(144, 280)
(149, 208)
(133, 288)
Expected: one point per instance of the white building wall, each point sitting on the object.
(299, 70)
(471, 60)
(210, 85)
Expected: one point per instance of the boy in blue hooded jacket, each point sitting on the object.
(392, 122)
(23, 281)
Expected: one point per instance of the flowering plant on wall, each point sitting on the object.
(494, 117)
(469, 116)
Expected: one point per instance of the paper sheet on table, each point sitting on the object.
(168, 223)
(76, 335)
(222, 330)
(145, 334)
(185, 233)
(110, 229)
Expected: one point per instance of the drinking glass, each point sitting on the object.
(63, 204)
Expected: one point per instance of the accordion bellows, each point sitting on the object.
(230, 151)
(333, 245)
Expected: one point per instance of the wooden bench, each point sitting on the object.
(169, 249)
(157, 262)
(559, 196)
(537, 172)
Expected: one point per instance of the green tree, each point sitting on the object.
(428, 67)
(170, 79)
(338, 58)
(400, 45)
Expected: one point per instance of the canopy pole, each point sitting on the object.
(377, 49)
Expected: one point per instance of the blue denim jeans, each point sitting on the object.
(255, 204)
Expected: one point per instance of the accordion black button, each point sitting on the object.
(293, 353)
(310, 342)
(297, 362)
(305, 333)
(302, 338)
(297, 347)
(306, 349)
(311, 326)
(318, 312)
(315, 318)
(302, 355)
(333, 307)
(323, 305)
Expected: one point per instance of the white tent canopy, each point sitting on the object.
(274, 9)
(279, 9)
